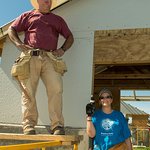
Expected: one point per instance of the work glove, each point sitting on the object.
(90, 109)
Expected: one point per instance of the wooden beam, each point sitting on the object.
(100, 69)
(116, 98)
(122, 84)
(41, 137)
(31, 146)
(122, 76)
(138, 98)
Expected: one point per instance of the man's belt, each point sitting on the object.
(37, 52)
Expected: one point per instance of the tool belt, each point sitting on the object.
(120, 146)
(58, 63)
(21, 67)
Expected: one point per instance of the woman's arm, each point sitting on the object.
(90, 127)
(129, 144)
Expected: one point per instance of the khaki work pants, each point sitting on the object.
(41, 67)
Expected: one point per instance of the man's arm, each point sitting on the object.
(13, 35)
(67, 44)
(129, 144)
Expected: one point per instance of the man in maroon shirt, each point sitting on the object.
(41, 29)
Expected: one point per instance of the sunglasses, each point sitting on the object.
(107, 97)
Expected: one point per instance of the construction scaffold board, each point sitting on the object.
(49, 140)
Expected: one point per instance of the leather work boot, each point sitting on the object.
(58, 131)
(29, 130)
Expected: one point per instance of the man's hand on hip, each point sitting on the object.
(59, 52)
(23, 47)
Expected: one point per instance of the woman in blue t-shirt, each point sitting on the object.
(106, 126)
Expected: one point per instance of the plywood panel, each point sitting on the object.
(128, 46)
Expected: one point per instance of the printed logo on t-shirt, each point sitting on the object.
(108, 124)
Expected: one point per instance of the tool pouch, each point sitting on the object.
(21, 67)
(120, 146)
(58, 63)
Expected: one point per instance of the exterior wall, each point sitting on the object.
(83, 17)
(74, 80)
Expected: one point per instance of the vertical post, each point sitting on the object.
(116, 97)
(75, 146)
(137, 137)
(43, 148)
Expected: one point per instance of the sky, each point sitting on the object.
(10, 9)
(142, 105)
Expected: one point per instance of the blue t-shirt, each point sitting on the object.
(111, 129)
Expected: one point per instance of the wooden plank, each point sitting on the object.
(128, 46)
(122, 76)
(68, 143)
(116, 98)
(75, 147)
(31, 145)
(41, 137)
(138, 98)
(122, 84)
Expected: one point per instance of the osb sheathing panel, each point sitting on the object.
(128, 46)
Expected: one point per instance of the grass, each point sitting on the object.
(146, 148)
